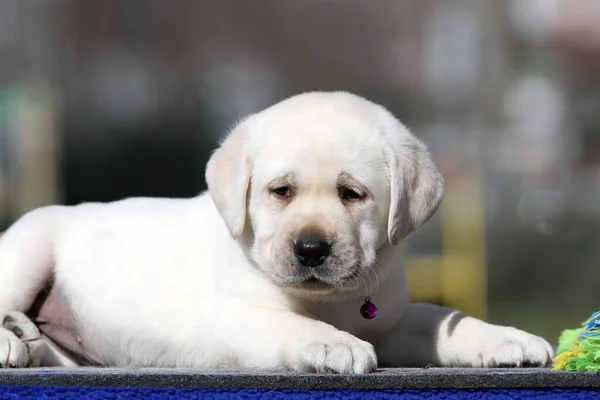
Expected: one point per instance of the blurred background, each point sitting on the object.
(106, 99)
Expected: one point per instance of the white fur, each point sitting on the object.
(211, 282)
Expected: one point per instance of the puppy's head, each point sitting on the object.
(320, 182)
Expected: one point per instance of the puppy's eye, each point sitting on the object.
(348, 194)
(282, 191)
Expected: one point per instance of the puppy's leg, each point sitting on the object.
(25, 266)
(54, 357)
(281, 340)
(26, 258)
(432, 335)
(29, 350)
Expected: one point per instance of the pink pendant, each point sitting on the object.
(368, 310)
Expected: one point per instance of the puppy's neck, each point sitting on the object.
(342, 310)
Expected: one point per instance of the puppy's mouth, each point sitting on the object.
(324, 282)
(314, 283)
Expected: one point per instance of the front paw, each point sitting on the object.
(335, 352)
(507, 347)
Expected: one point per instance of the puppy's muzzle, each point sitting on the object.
(311, 251)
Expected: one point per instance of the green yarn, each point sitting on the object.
(579, 349)
(568, 338)
(588, 359)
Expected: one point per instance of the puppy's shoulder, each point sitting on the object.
(138, 214)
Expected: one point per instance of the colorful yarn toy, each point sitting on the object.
(579, 349)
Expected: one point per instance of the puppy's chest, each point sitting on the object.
(347, 317)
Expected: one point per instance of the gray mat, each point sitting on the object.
(433, 378)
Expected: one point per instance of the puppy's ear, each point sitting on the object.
(228, 179)
(416, 187)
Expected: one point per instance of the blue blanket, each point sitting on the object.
(55, 392)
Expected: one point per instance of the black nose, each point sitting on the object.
(311, 251)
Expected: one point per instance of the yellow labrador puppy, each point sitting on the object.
(289, 262)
